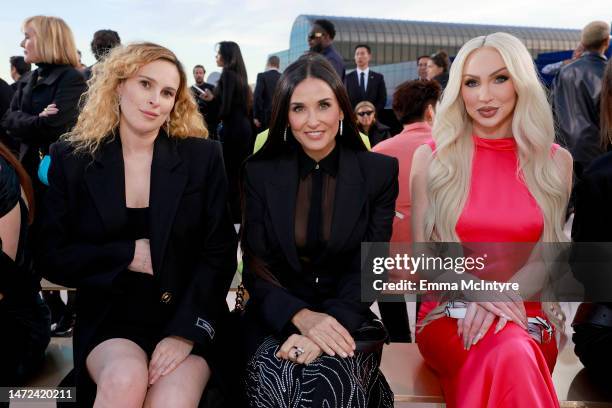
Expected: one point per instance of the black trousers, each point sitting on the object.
(25, 336)
(594, 347)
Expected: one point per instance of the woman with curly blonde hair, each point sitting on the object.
(492, 175)
(136, 219)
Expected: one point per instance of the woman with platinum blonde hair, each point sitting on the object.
(136, 220)
(492, 175)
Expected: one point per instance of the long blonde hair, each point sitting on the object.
(100, 114)
(54, 40)
(532, 128)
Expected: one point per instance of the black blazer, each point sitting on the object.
(59, 84)
(193, 241)
(363, 211)
(264, 89)
(591, 262)
(376, 92)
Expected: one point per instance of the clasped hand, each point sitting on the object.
(325, 331)
(480, 315)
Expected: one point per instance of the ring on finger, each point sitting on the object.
(298, 351)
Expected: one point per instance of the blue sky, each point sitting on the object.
(192, 28)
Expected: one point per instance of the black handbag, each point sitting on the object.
(371, 337)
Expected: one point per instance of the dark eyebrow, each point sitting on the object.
(153, 80)
(492, 73)
(322, 100)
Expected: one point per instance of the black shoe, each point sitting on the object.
(65, 327)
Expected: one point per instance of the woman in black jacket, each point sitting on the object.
(136, 219)
(313, 193)
(367, 123)
(234, 100)
(46, 105)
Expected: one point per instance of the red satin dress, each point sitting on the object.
(507, 369)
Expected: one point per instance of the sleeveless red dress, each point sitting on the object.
(507, 369)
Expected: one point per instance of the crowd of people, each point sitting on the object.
(125, 183)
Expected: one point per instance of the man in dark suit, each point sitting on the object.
(264, 89)
(363, 84)
(206, 109)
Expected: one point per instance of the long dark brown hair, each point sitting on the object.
(605, 116)
(308, 66)
(24, 179)
(232, 62)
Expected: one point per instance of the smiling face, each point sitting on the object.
(29, 46)
(488, 93)
(314, 117)
(147, 98)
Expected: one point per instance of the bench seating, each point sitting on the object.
(414, 383)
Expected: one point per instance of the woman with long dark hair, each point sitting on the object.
(312, 194)
(24, 317)
(234, 101)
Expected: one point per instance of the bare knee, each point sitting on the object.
(124, 382)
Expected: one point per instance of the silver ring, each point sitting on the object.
(298, 351)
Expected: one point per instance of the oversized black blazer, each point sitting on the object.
(262, 97)
(376, 91)
(364, 207)
(193, 241)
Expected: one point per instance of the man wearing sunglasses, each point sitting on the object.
(321, 40)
